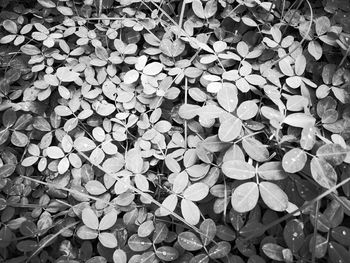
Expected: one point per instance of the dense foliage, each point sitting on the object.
(191, 131)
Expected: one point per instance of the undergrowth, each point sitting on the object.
(194, 131)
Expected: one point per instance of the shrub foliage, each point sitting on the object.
(174, 131)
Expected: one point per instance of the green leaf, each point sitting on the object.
(160, 232)
(84, 144)
(30, 50)
(7, 169)
(273, 251)
(108, 220)
(315, 49)
(10, 26)
(273, 196)
(65, 10)
(294, 160)
(342, 235)
(293, 234)
(245, 197)
(286, 68)
(94, 187)
(134, 161)
(139, 244)
(189, 241)
(169, 204)
(319, 244)
(272, 171)
(196, 191)
(322, 25)
(333, 153)
(153, 68)
(172, 48)
(119, 256)
(308, 138)
(220, 250)
(337, 252)
(227, 98)
(89, 218)
(167, 253)
(198, 9)
(9, 118)
(239, 170)
(208, 231)
(247, 110)
(146, 228)
(19, 139)
(54, 152)
(323, 173)
(47, 3)
(131, 76)
(108, 240)
(66, 74)
(255, 149)
(190, 211)
(86, 233)
(180, 182)
(300, 120)
(230, 129)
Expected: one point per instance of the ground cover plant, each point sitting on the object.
(174, 131)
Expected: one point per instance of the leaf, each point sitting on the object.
(300, 65)
(54, 152)
(169, 204)
(89, 218)
(145, 229)
(255, 149)
(139, 244)
(294, 160)
(333, 153)
(94, 187)
(65, 10)
(341, 234)
(114, 164)
(180, 182)
(47, 3)
(189, 111)
(172, 48)
(153, 68)
(10, 26)
(323, 173)
(134, 161)
(108, 240)
(131, 76)
(272, 171)
(9, 118)
(66, 74)
(219, 250)
(189, 241)
(210, 8)
(308, 138)
(247, 110)
(190, 211)
(319, 244)
(286, 68)
(198, 9)
(337, 252)
(7, 169)
(245, 197)
(293, 234)
(208, 231)
(84, 144)
(227, 98)
(273, 196)
(108, 220)
(86, 233)
(30, 50)
(160, 232)
(167, 253)
(300, 120)
(196, 191)
(230, 129)
(119, 256)
(273, 251)
(237, 169)
(322, 25)
(315, 49)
